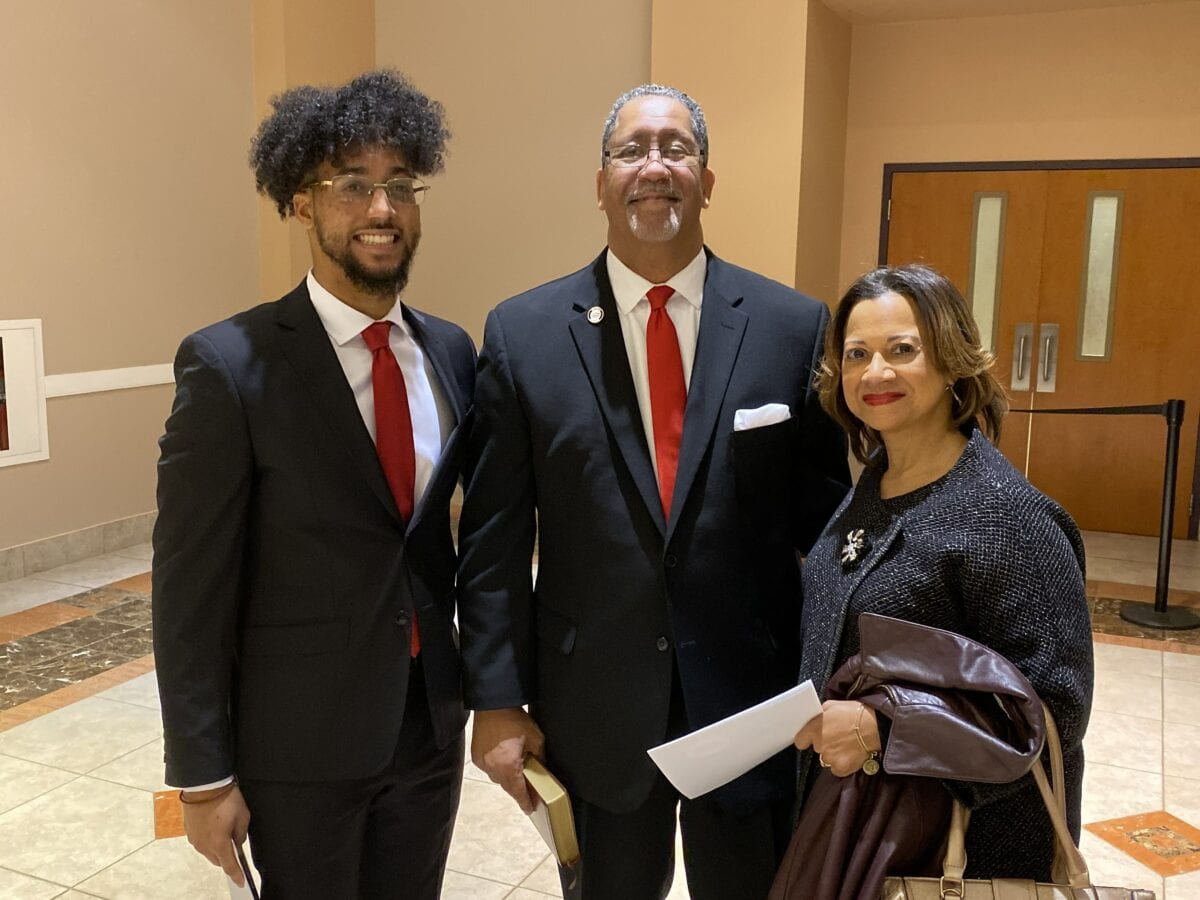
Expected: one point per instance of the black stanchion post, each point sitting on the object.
(1158, 615)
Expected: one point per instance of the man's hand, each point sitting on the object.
(499, 742)
(215, 826)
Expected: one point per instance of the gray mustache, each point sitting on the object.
(641, 195)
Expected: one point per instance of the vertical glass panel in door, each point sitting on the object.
(987, 243)
(1099, 275)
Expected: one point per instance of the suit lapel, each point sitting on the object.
(439, 357)
(305, 343)
(601, 349)
(722, 326)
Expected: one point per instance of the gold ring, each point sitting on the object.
(821, 760)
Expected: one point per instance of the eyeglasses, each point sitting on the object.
(358, 190)
(895, 355)
(634, 156)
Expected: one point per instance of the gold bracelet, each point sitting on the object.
(871, 763)
(220, 792)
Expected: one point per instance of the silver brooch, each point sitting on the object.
(854, 549)
(595, 315)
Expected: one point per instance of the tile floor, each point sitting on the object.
(81, 747)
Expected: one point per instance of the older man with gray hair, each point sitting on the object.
(650, 421)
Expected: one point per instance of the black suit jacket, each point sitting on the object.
(284, 576)
(559, 452)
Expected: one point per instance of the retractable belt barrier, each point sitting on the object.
(1157, 615)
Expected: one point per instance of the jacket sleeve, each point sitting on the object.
(496, 538)
(1023, 595)
(825, 472)
(204, 476)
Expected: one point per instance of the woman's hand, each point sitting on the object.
(831, 735)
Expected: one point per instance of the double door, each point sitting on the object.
(1086, 285)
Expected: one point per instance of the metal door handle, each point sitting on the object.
(1021, 359)
(1048, 369)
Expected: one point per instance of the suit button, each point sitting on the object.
(662, 644)
(402, 619)
(672, 560)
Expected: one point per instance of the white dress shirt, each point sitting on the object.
(629, 289)
(432, 414)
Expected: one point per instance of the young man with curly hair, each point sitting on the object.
(303, 562)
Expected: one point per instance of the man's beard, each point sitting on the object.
(656, 228)
(381, 283)
(656, 231)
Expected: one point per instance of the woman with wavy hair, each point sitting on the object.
(942, 531)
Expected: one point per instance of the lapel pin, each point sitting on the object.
(595, 315)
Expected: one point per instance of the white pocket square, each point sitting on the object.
(771, 414)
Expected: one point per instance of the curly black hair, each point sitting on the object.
(313, 124)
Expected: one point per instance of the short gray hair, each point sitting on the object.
(699, 126)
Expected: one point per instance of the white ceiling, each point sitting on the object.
(864, 11)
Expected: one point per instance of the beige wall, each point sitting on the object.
(526, 85)
(1103, 83)
(301, 42)
(745, 65)
(129, 221)
(823, 152)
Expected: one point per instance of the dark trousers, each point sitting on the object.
(374, 838)
(631, 856)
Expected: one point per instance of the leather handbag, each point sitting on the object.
(1070, 873)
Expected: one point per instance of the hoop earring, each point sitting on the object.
(953, 396)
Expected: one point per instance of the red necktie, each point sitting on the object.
(668, 393)
(393, 429)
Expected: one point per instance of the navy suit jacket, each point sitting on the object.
(284, 577)
(559, 453)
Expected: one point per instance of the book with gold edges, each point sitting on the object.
(552, 816)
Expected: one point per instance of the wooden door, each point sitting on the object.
(932, 215)
(1106, 470)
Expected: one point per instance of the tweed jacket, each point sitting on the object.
(982, 553)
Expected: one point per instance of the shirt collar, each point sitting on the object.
(629, 287)
(342, 322)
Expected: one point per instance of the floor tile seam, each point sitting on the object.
(507, 884)
(156, 707)
(49, 790)
(125, 554)
(9, 755)
(94, 696)
(108, 780)
(1113, 712)
(35, 877)
(533, 872)
(40, 576)
(109, 866)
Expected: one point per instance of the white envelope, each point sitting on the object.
(772, 413)
(718, 753)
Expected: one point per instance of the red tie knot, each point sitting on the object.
(659, 295)
(376, 334)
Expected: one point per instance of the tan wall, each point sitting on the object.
(301, 42)
(823, 152)
(746, 68)
(1103, 83)
(129, 221)
(526, 85)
